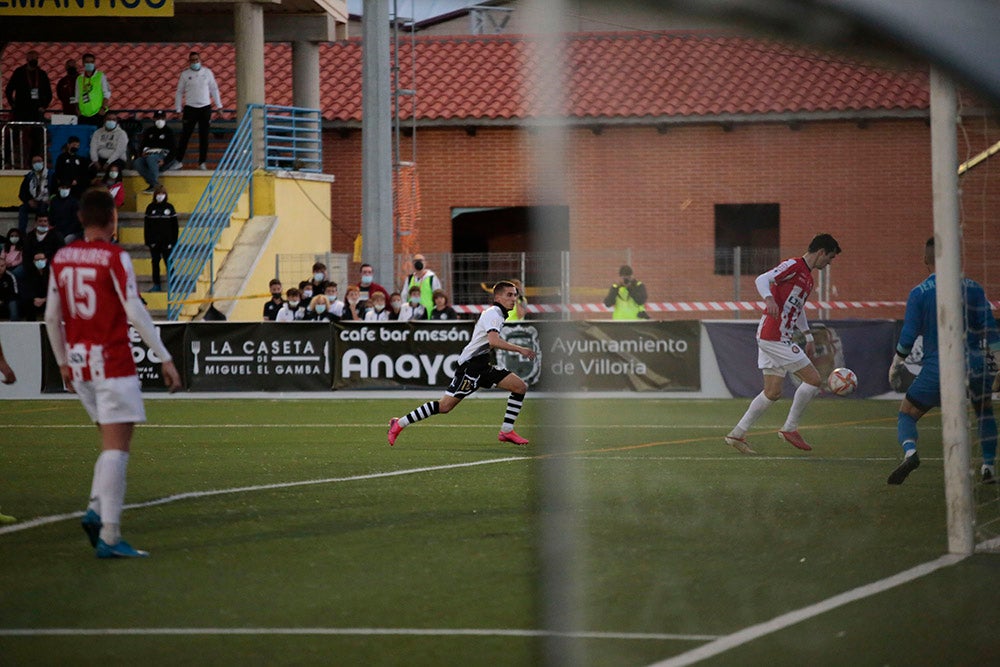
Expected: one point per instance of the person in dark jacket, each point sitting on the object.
(29, 94)
(63, 213)
(160, 233)
(157, 151)
(34, 192)
(72, 168)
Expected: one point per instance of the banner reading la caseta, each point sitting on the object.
(84, 8)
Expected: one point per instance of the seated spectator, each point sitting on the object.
(155, 152)
(306, 292)
(376, 311)
(160, 232)
(34, 192)
(414, 308)
(319, 310)
(72, 168)
(354, 309)
(293, 310)
(63, 213)
(12, 251)
(395, 303)
(442, 309)
(336, 305)
(275, 303)
(36, 286)
(42, 239)
(320, 278)
(9, 295)
(113, 182)
(108, 145)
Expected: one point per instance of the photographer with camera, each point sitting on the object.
(627, 297)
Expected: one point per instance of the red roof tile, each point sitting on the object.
(610, 76)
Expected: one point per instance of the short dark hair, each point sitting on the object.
(824, 242)
(97, 207)
(368, 265)
(292, 291)
(626, 270)
(88, 55)
(319, 266)
(274, 281)
(502, 285)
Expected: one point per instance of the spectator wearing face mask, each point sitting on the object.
(319, 310)
(35, 288)
(42, 239)
(12, 250)
(319, 278)
(34, 192)
(66, 89)
(292, 310)
(160, 231)
(368, 287)
(64, 213)
(29, 94)
(72, 168)
(109, 144)
(156, 151)
(395, 303)
(377, 311)
(275, 303)
(425, 279)
(114, 183)
(196, 90)
(336, 305)
(413, 309)
(93, 93)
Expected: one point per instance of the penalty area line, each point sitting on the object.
(420, 632)
(749, 634)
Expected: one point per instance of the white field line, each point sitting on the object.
(41, 521)
(424, 632)
(749, 634)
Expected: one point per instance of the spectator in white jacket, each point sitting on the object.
(196, 90)
(108, 144)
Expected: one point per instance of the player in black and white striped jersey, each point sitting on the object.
(475, 370)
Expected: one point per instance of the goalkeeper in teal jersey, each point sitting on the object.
(925, 392)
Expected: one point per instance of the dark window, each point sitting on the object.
(753, 228)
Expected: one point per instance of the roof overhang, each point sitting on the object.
(193, 21)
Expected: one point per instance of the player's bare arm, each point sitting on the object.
(499, 343)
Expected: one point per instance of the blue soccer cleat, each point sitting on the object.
(91, 524)
(121, 550)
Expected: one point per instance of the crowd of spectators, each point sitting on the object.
(317, 299)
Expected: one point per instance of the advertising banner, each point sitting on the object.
(607, 355)
(864, 346)
(147, 365)
(259, 356)
(394, 355)
(82, 8)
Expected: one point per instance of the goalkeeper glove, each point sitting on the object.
(896, 372)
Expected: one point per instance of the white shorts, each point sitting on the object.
(775, 357)
(112, 400)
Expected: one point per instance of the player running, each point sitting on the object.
(925, 392)
(92, 297)
(476, 370)
(786, 289)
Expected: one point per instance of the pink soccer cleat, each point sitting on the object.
(394, 430)
(511, 436)
(794, 439)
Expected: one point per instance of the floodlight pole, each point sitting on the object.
(950, 314)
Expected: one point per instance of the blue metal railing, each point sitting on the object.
(292, 140)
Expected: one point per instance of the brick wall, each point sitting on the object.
(653, 192)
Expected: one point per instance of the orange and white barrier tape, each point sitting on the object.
(700, 306)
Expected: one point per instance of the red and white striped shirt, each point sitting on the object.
(791, 284)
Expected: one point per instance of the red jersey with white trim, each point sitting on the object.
(92, 281)
(791, 285)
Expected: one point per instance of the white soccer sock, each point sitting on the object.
(95, 503)
(758, 406)
(805, 393)
(110, 491)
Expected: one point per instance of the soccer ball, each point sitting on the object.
(842, 381)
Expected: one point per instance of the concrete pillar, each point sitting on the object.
(305, 75)
(376, 142)
(249, 19)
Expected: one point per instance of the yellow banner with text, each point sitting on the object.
(85, 8)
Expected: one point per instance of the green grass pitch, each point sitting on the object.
(679, 538)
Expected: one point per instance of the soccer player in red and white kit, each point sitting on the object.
(785, 290)
(92, 297)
